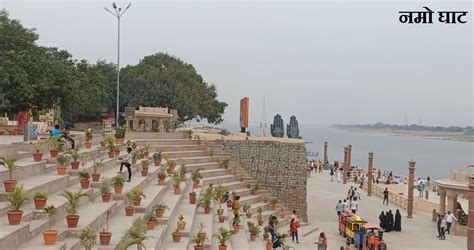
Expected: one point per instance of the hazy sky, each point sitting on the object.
(339, 62)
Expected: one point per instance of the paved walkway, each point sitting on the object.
(417, 233)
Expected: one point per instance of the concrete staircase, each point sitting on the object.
(42, 176)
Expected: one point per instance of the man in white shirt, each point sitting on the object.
(125, 161)
(339, 207)
(449, 220)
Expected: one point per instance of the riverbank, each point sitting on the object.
(450, 136)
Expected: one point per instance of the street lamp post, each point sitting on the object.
(118, 13)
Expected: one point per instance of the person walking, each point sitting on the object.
(382, 220)
(294, 230)
(443, 228)
(235, 208)
(344, 206)
(390, 221)
(449, 221)
(322, 242)
(398, 222)
(339, 208)
(438, 225)
(332, 174)
(125, 161)
(354, 206)
(349, 193)
(385, 196)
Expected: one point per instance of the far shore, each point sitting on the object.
(461, 137)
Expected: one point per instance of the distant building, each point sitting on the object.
(148, 119)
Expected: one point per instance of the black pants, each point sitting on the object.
(235, 217)
(442, 234)
(294, 235)
(385, 198)
(449, 227)
(129, 168)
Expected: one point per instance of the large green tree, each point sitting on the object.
(167, 81)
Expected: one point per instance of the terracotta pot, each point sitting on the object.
(282, 216)
(248, 185)
(222, 247)
(253, 192)
(241, 179)
(157, 162)
(236, 229)
(182, 226)
(221, 218)
(169, 171)
(61, 170)
(244, 210)
(274, 208)
(150, 225)
(137, 201)
(145, 171)
(249, 215)
(196, 185)
(105, 238)
(260, 222)
(266, 237)
(134, 161)
(176, 237)
(88, 144)
(50, 237)
(37, 156)
(117, 152)
(106, 197)
(220, 211)
(95, 177)
(111, 154)
(146, 153)
(198, 248)
(161, 182)
(10, 185)
(75, 165)
(177, 191)
(192, 200)
(14, 217)
(159, 213)
(207, 210)
(265, 199)
(118, 189)
(269, 246)
(129, 211)
(39, 203)
(253, 237)
(102, 144)
(54, 153)
(85, 183)
(72, 220)
(134, 146)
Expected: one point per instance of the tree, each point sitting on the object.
(164, 80)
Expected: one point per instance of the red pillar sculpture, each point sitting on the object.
(325, 152)
(411, 180)
(344, 167)
(369, 174)
(470, 218)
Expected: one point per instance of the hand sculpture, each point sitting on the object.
(277, 129)
(292, 130)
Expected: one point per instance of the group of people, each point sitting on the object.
(389, 222)
(316, 165)
(444, 224)
(350, 203)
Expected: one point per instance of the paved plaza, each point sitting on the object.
(417, 233)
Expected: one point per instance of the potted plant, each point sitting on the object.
(134, 145)
(39, 199)
(54, 147)
(97, 165)
(225, 163)
(105, 235)
(196, 177)
(176, 235)
(181, 223)
(119, 135)
(269, 245)
(259, 216)
(136, 235)
(170, 163)
(9, 184)
(211, 149)
(129, 208)
(88, 136)
(74, 154)
(50, 236)
(273, 201)
(219, 193)
(247, 209)
(88, 238)
(254, 230)
(102, 133)
(16, 200)
(157, 158)
(265, 199)
(37, 155)
(223, 235)
(72, 198)
(85, 179)
(199, 238)
(135, 157)
(241, 178)
(282, 214)
(118, 182)
(236, 223)
(160, 209)
(110, 146)
(176, 183)
(150, 219)
(255, 189)
(137, 195)
(205, 202)
(182, 172)
(105, 190)
(63, 161)
(161, 178)
(117, 150)
(266, 231)
(145, 164)
(192, 197)
(146, 150)
(189, 133)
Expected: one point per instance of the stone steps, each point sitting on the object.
(167, 142)
(176, 148)
(219, 179)
(194, 160)
(217, 172)
(187, 154)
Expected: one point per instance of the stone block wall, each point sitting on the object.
(278, 166)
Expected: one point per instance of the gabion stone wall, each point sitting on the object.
(278, 166)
